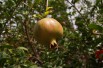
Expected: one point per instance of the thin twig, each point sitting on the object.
(77, 10)
(36, 56)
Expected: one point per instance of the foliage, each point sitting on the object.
(82, 21)
(11, 57)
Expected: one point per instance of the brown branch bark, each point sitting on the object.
(36, 56)
(30, 42)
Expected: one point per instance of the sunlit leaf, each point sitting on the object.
(34, 66)
(22, 48)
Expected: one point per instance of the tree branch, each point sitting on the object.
(76, 10)
(36, 55)
(30, 42)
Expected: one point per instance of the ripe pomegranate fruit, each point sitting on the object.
(48, 31)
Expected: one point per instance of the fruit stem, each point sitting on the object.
(46, 4)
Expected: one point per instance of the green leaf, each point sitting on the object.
(3, 55)
(6, 46)
(16, 66)
(37, 1)
(22, 48)
(49, 8)
(95, 26)
(34, 66)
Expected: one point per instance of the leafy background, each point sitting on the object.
(82, 22)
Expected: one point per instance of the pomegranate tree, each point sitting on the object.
(48, 31)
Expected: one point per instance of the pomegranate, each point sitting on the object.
(48, 31)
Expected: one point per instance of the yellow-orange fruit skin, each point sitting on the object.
(48, 30)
